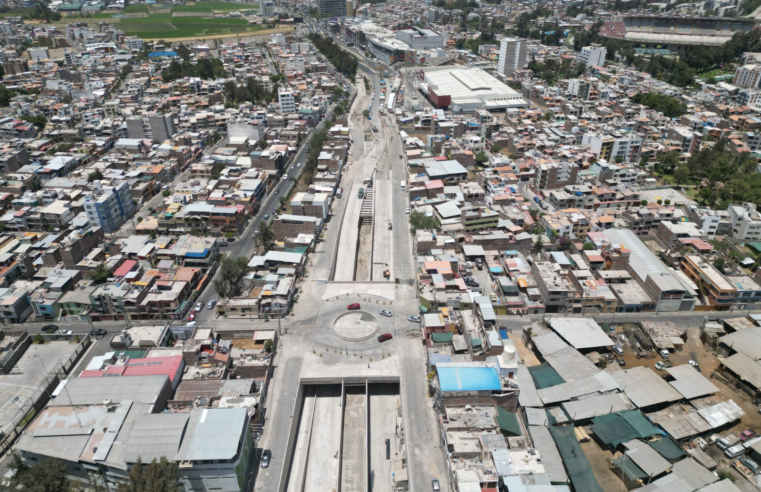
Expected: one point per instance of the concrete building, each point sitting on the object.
(267, 8)
(162, 127)
(311, 204)
(512, 56)
(618, 147)
(133, 43)
(665, 286)
(421, 39)
(287, 102)
(556, 175)
(716, 289)
(559, 293)
(110, 206)
(748, 76)
(287, 225)
(746, 222)
(332, 8)
(593, 56)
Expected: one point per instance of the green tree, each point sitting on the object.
(481, 158)
(2, 71)
(156, 476)
(38, 120)
(725, 475)
(230, 272)
(183, 52)
(588, 246)
(100, 274)
(419, 220)
(681, 175)
(94, 176)
(643, 203)
(166, 193)
(266, 235)
(268, 344)
(669, 106)
(48, 476)
(366, 113)
(539, 244)
(719, 264)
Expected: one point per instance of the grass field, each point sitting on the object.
(215, 6)
(138, 8)
(182, 27)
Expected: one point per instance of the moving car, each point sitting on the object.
(50, 328)
(277, 192)
(386, 313)
(414, 319)
(211, 304)
(353, 306)
(199, 307)
(266, 457)
(98, 332)
(385, 337)
(435, 485)
(266, 217)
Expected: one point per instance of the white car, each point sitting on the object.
(199, 307)
(387, 313)
(408, 210)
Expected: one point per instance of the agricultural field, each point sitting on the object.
(215, 7)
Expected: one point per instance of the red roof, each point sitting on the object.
(152, 366)
(125, 268)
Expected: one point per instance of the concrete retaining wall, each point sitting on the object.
(292, 434)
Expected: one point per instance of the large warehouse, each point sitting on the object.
(464, 90)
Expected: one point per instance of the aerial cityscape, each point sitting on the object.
(384, 246)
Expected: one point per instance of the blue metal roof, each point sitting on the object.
(468, 379)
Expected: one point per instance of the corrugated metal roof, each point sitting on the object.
(689, 382)
(213, 434)
(468, 379)
(551, 459)
(155, 435)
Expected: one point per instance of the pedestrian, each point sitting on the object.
(368, 365)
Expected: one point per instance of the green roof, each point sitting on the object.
(755, 246)
(545, 376)
(70, 6)
(667, 448)
(616, 428)
(445, 337)
(508, 422)
(630, 468)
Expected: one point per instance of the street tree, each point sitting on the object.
(156, 476)
(230, 272)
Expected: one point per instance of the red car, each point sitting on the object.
(353, 307)
(385, 336)
(191, 316)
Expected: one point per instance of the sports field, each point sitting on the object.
(166, 25)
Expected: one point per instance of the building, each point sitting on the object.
(665, 286)
(746, 222)
(593, 56)
(420, 39)
(387, 49)
(110, 206)
(332, 8)
(267, 8)
(618, 147)
(162, 127)
(311, 204)
(716, 289)
(133, 43)
(467, 89)
(287, 102)
(748, 76)
(287, 225)
(555, 175)
(512, 56)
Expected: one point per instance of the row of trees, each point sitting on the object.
(50, 476)
(342, 60)
(551, 71)
(208, 68)
(252, 91)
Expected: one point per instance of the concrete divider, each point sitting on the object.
(308, 444)
(368, 484)
(292, 434)
(341, 437)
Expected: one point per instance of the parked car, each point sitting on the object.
(50, 328)
(266, 457)
(223, 244)
(211, 304)
(435, 485)
(386, 313)
(353, 307)
(407, 211)
(621, 362)
(747, 434)
(191, 316)
(385, 337)
(232, 239)
(199, 307)
(414, 319)
(98, 332)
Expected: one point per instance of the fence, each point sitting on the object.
(29, 407)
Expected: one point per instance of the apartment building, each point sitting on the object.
(669, 233)
(312, 204)
(745, 221)
(110, 206)
(287, 101)
(615, 147)
(559, 292)
(748, 76)
(512, 56)
(593, 56)
(479, 219)
(555, 175)
(713, 286)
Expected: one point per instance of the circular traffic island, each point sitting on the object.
(356, 326)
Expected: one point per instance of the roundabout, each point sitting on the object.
(356, 326)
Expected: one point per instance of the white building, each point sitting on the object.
(467, 89)
(266, 8)
(746, 222)
(133, 43)
(624, 147)
(287, 102)
(512, 56)
(593, 56)
(421, 39)
(748, 76)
